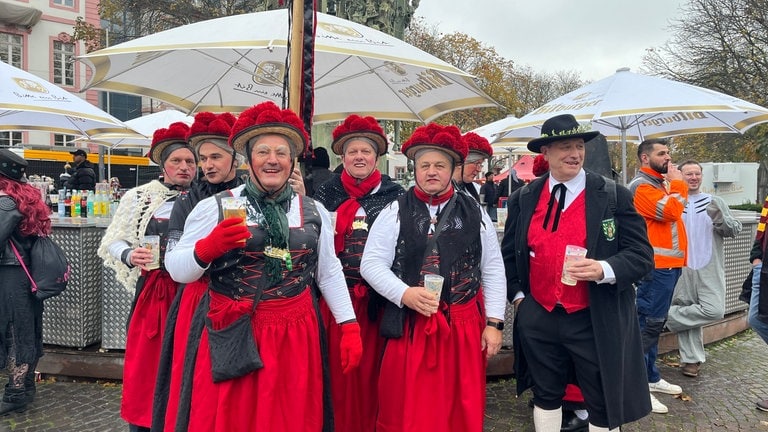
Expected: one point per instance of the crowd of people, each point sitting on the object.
(348, 303)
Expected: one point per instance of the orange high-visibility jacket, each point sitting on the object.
(662, 205)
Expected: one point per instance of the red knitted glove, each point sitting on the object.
(227, 235)
(351, 346)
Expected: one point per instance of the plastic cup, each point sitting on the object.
(152, 242)
(501, 216)
(572, 253)
(434, 284)
(234, 207)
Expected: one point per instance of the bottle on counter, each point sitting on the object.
(95, 202)
(61, 205)
(76, 203)
(68, 204)
(83, 204)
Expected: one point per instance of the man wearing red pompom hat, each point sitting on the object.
(440, 334)
(144, 211)
(208, 136)
(259, 363)
(357, 196)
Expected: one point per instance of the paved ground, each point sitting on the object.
(721, 399)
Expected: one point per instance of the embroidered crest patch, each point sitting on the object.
(609, 229)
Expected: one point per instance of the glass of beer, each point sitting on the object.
(152, 242)
(234, 207)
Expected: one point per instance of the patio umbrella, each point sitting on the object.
(28, 102)
(232, 63)
(632, 107)
(142, 129)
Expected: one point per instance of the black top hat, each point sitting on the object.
(560, 128)
(79, 152)
(12, 165)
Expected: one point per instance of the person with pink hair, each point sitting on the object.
(23, 216)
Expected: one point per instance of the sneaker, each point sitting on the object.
(658, 407)
(690, 369)
(762, 405)
(665, 387)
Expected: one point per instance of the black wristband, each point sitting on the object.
(497, 325)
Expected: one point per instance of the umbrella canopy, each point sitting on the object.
(232, 63)
(491, 131)
(632, 107)
(28, 102)
(144, 127)
(523, 167)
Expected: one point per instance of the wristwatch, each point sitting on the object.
(497, 325)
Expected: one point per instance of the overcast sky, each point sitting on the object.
(592, 37)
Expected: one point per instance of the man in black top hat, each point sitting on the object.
(84, 177)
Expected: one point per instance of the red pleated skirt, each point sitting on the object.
(190, 299)
(355, 394)
(435, 380)
(143, 345)
(286, 395)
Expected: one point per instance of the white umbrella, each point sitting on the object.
(491, 131)
(144, 127)
(28, 102)
(232, 63)
(631, 107)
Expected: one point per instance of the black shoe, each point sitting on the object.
(572, 423)
(14, 400)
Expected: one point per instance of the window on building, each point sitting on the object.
(10, 139)
(63, 63)
(399, 172)
(67, 3)
(11, 49)
(63, 140)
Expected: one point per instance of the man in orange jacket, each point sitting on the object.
(660, 196)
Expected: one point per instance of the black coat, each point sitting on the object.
(612, 306)
(84, 177)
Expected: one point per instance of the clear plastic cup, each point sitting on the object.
(152, 242)
(235, 207)
(501, 216)
(572, 253)
(434, 284)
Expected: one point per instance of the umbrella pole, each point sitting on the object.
(624, 156)
(295, 72)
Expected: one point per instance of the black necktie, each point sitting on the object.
(558, 191)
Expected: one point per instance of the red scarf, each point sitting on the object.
(345, 213)
(431, 199)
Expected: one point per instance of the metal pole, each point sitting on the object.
(624, 156)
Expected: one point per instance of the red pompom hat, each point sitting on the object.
(355, 126)
(267, 118)
(176, 133)
(437, 137)
(478, 144)
(208, 125)
(540, 166)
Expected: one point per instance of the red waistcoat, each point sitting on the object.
(548, 252)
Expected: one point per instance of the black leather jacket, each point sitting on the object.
(84, 177)
(9, 222)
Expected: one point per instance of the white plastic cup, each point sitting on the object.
(152, 242)
(572, 253)
(333, 221)
(501, 216)
(434, 284)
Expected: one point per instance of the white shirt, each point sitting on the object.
(183, 267)
(379, 254)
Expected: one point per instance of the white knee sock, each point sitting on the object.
(547, 420)
(593, 428)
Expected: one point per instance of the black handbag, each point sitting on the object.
(48, 270)
(233, 349)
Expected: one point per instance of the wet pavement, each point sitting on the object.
(722, 398)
